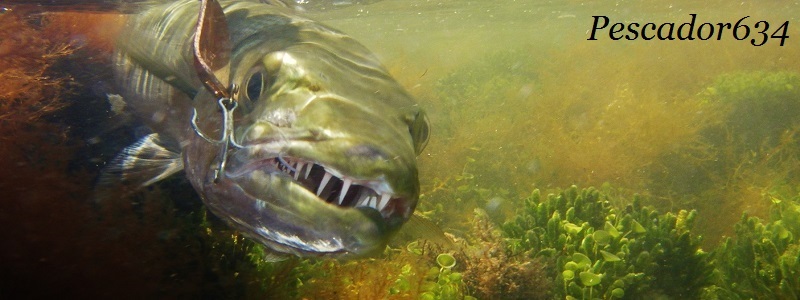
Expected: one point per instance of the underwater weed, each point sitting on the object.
(753, 153)
(760, 107)
(762, 261)
(448, 200)
(96, 32)
(494, 271)
(476, 113)
(29, 89)
(408, 273)
(563, 116)
(273, 279)
(609, 120)
(602, 251)
(57, 237)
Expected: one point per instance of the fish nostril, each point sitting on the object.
(367, 151)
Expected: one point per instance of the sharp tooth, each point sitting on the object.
(345, 187)
(308, 170)
(372, 201)
(362, 199)
(384, 201)
(324, 182)
(298, 168)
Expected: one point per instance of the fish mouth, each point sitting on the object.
(281, 198)
(306, 207)
(330, 185)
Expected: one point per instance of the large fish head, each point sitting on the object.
(327, 163)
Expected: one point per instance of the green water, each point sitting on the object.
(563, 168)
(517, 86)
(520, 100)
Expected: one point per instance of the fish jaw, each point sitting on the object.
(269, 208)
(281, 201)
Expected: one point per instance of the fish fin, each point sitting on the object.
(147, 161)
(272, 257)
(421, 228)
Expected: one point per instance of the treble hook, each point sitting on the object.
(211, 48)
(227, 139)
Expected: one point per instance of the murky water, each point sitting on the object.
(519, 100)
(517, 86)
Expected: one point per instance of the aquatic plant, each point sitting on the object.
(758, 140)
(144, 246)
(602, 251)
(759, 115)
(444, 283)
(760, 106)
(749, 156)
(493, 271)
(489, 94)
(30, 89)
(762, 261)
(447, 201)
(420, 270)
(49, 230)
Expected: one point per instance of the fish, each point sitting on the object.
(290, 131)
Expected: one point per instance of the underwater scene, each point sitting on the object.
(577, 150)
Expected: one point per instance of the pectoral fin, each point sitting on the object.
(421, 228)
(147, 161)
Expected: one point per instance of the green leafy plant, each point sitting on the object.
(763, 260)
(443, 282)
(603, 252)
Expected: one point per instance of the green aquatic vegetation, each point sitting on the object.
(492, 271)
(488, 77)
(419, 270)
(750, 152)
(443, 283)
(491, 95)
(449, 200)
(274, 278)
(605, 252)
(446, 261)
(762, 105)
(243, 268)
(762, 261)
(597, 252)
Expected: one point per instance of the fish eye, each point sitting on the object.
(420, 130)
(256, 82)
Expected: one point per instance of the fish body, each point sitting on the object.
(323, 141)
